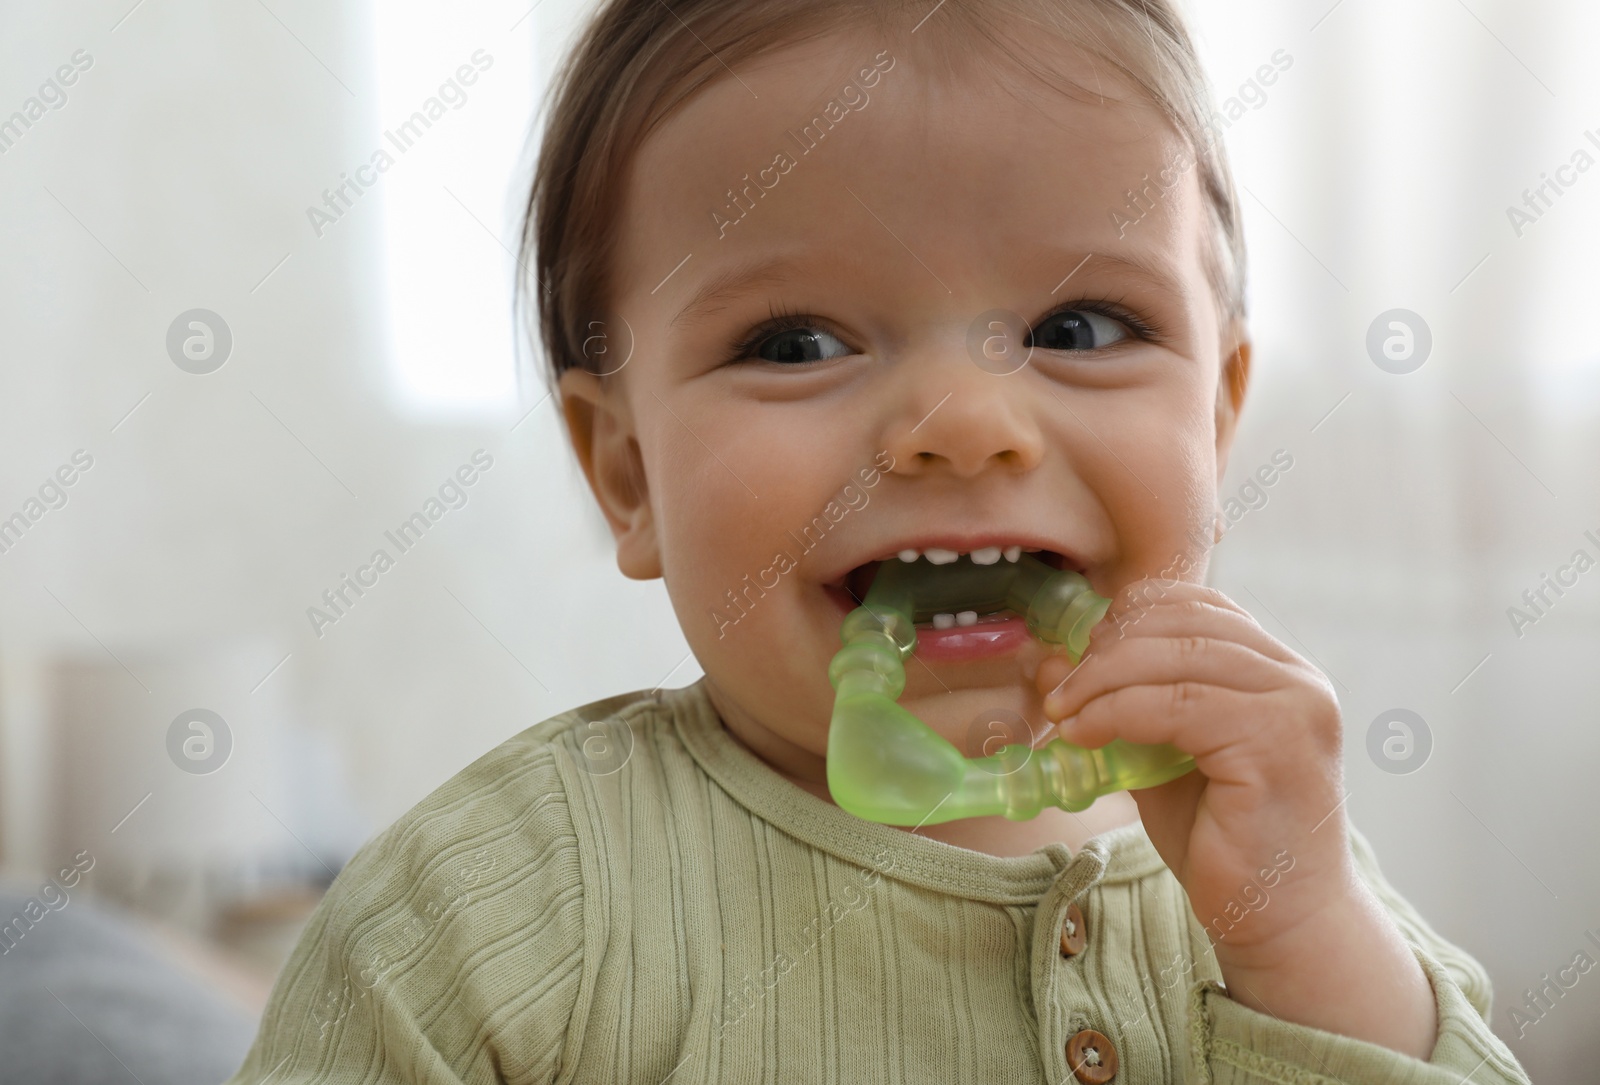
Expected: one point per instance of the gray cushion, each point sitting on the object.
(85, 999)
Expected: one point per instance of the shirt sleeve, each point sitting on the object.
(448, 951)
(1232, 1044)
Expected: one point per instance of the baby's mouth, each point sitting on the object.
(982, 606)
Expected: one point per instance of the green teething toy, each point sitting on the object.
(886, 765)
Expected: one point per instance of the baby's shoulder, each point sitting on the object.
(511, 807)
(434, 927)
(597, 738)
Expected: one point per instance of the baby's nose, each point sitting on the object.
(963, 419)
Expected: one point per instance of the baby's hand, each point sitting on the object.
(1181, 663)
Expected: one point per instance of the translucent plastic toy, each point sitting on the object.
(886, 765)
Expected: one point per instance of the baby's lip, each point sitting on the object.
(992, 635)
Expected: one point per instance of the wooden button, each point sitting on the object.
(1074, 936)
(1092, 1058)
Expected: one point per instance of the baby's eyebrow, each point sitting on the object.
(764, 271)
(1150, 270)
(745, 275)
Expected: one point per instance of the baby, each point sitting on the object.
(826, 285)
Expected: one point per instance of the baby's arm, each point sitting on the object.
(1232, 1044)
(449, 949)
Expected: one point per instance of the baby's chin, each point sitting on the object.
(980, 716)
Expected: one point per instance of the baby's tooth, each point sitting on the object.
(987, 556)
(944, 621)
(940, 557)
(967, 617)
(1013, 553)
(908, 555)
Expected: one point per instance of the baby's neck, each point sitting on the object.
(1001, 836)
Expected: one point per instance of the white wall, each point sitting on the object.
(177, 176)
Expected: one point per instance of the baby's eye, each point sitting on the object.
(802, 344)
(1077, 329)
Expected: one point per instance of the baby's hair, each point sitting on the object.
(637, 61)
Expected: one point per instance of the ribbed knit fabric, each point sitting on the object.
(692, 916)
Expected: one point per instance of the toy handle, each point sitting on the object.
(886, 765)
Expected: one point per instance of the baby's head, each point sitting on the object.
(822, 281)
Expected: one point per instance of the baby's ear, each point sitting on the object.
(1233, 378)
(602, 433)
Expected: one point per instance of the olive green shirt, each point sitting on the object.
(624, 894)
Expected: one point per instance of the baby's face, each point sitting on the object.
(876, 421)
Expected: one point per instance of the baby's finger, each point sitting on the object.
(1053, 670)
(1189, 715)
(1190, 616)
(1150, 592)
(1164, 660)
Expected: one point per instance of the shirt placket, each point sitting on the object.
(1074, 1046)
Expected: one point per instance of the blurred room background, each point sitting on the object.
(170, 714)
